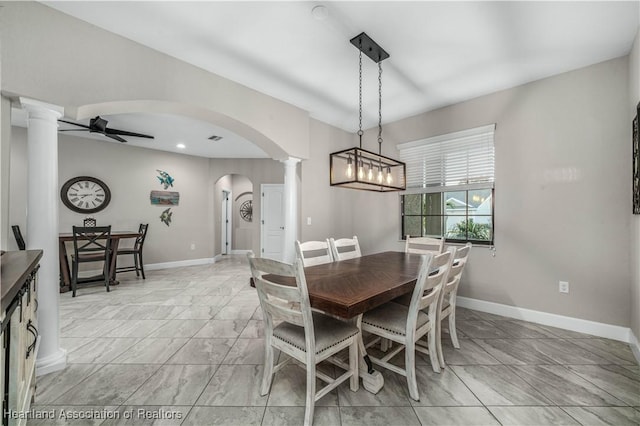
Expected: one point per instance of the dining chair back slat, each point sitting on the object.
(423, 245)
(345, 248)
(314, 252)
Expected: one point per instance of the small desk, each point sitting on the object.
(349, 288)
(65, 274)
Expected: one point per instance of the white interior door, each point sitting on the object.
(272, 224)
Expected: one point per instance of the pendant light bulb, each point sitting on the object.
(380, 177)
(349, 168)
(389, 177)
(360, 171)
(370, 173)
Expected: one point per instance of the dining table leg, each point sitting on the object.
(115, 242)
(65, 274)
(372, 380)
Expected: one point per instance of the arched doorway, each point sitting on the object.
(233, 213)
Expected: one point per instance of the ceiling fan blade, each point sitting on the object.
(125, 133)
(73, 130)
(116, 137)
(75, 124)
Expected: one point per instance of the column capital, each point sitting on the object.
(41, 109)
(291, 161)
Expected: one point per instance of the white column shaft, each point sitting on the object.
(42, 226)
(290, 209)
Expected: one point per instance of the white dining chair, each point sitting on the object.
(424, 245)
(314, 252)
(448, 298)
(307, 337)
(406, 325)
(345, 248)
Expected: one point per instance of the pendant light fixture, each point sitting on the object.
(358, 168)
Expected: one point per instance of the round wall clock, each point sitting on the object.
(85, 194)
(246, 210)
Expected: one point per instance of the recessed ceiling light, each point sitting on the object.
(214, 138)
(181, 146)
(320, 12)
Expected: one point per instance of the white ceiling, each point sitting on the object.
(441, 52)
(168, 131)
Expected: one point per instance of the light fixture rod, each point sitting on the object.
(366, 45)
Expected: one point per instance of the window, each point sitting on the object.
(450, 186)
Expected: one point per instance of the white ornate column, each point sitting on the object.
(290, 209)
(42, 225)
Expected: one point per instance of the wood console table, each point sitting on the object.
(20, 332)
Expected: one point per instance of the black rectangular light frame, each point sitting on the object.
(366, 45)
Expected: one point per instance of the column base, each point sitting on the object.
(54, 362)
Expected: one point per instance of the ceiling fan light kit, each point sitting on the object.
(357, 168)
(99, 125)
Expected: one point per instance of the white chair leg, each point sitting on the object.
(433, 350)
(439, 344)
(410, 367)
(311, 394)
(267, 374)
(452, 328)
(354, 382)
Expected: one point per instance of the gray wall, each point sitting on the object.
(131, 174)
(330, 208)
(52, 57)
(562, 173)
(258, 172)
(634, 98)
(562, 193)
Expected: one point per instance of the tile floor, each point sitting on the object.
(185, 346)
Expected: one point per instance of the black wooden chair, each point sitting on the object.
(18, 236)
(90, 244)
(136, 251)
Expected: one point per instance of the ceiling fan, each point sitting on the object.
(99, 125)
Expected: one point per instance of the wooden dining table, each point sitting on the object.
(349, 288)
(65, 273)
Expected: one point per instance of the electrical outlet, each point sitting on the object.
(563, 287)
(193, 246)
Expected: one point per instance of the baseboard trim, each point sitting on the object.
(635, 346)
(179, 264)
(54, 362)
(614, 332)
(240, 251)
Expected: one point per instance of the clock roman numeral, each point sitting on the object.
(73, 200)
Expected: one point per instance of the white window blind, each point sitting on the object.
(460, 160)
